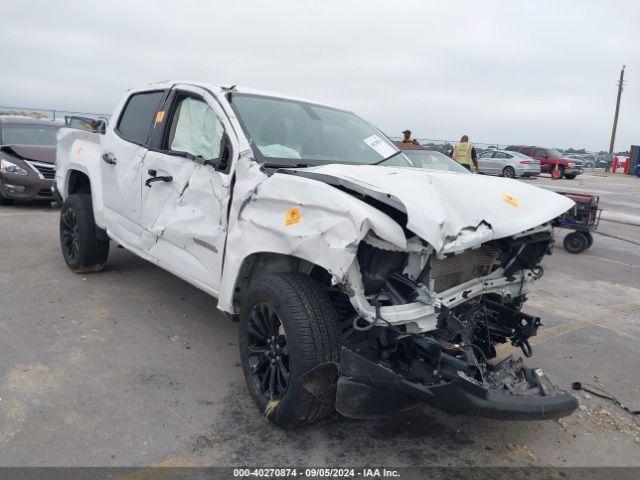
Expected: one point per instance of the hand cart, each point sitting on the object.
(583, 218)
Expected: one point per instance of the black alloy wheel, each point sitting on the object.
(70, 235)
(289, 348)
(84, 246)
(268, 351)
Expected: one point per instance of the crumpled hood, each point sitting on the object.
(38, 153)
(451, 211)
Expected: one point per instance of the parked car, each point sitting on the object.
(550, 159)
(430, 159)
(588, 160)
(27, 158)
(508, 164)
(359, 283)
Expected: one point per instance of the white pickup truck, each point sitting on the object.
(362, 281)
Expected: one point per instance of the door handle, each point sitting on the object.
(109, 158)
(154, 178)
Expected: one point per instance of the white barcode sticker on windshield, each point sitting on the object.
(379, 145)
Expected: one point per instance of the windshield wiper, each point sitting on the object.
(385, 159)
(278, 165)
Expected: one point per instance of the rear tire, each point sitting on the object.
(509, 172)
(575, 242)
(82, 250)
(569, 176)
(288, 326)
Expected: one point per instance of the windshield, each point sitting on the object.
(291, 132)
(433, 160)
(26, 134)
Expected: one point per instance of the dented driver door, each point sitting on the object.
(184, 194)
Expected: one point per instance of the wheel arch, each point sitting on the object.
(77, 182)
(258, 264)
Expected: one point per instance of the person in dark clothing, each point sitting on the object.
(407, 138)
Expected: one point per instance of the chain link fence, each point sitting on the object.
(46, 114)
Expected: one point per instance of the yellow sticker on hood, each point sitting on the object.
(292, 217)
(511, 200)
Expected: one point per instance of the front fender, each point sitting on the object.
(300, 217)
(79, 150)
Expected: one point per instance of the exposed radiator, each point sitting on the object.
(451, 271)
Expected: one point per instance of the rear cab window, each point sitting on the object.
(138, 116)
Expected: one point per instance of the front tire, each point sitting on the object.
(288, 326)
(82, 250)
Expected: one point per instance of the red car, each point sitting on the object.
(550, 158)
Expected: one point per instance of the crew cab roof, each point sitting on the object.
(220, 89)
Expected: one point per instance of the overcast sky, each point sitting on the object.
(535, 72)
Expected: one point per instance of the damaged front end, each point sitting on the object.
(423, 328)
(426, 284)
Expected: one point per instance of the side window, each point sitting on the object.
(486, 154)
(195, 129)
(500, 155)
(540, 153)
(138, 115)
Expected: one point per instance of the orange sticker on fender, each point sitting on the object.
(511, 200)
(292, 217)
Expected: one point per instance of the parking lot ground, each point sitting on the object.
(133, 366)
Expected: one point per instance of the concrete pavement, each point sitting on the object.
(133, 366)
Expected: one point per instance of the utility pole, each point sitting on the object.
(615, 117)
